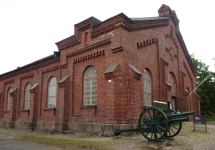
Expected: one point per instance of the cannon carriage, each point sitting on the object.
(159, 122)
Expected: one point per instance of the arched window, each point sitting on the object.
(27, 96)
(171, 80)
(147, 86)
(90, 86)
(8, 99)
(52, 92)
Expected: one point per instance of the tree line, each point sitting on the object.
(207, 88)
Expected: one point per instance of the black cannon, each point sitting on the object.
(158, 123)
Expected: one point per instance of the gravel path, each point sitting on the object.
(186, 140)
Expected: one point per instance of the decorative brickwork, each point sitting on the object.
(50, 69)
(147, 43)
(119, 49)
(9, 81)
(27, 76)
(88, 48)
(88, 57)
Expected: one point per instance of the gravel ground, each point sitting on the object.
(186, 140)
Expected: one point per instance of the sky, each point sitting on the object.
(29, 29)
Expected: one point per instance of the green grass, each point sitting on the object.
(100, 145)
(210, 118)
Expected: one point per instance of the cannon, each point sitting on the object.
(157, 123)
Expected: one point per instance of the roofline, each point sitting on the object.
(28, 64)
(113, 17)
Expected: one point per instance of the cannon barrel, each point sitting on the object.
(180, 114)
(179, 119)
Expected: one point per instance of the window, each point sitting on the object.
(52, 92)
(8, 99)
(90, 86)
(27, 96)
(147, 94)
(171, 80)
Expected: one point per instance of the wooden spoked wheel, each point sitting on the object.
(153, 124)
(175, 127)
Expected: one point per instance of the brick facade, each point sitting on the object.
(136, 44)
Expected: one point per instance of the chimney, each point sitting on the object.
(164, 10)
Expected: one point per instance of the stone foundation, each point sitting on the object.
(94, 128)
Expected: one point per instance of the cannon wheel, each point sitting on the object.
(153, 124)
(173, 130)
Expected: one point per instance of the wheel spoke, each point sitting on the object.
(155, 134)
(159, 131)
(145, 120)
(174, 127)
(145, 115)
(153, 113)
(159, 118)
(172, 130)
(149, 114)
(148, 131)
(160, 127)
(144, 129)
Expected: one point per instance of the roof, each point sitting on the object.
(168, 84)
(197, 94)
(14, 89)
(95, 21)
(150, 18)
(63, 79)
(134, 69)
(111, 68)
(35, 85)
(18, 68)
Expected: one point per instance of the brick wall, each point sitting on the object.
(152, 45)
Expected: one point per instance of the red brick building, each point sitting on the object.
(106, 72)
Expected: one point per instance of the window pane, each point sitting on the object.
(90, 86)
(146, 88)
(54, 100)
(52, 92)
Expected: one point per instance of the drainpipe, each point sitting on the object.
(56, 54)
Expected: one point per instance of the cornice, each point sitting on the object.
(108, 25)
(184, 48)
(9, 81)
(28, 68)
(53, 68)
(126, 23)
(88, 48)
(67, 43)
(50, 69)
(27, 76)
(87, 57)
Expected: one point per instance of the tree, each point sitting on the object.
(207, 89)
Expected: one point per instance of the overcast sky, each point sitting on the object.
(29, 29)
